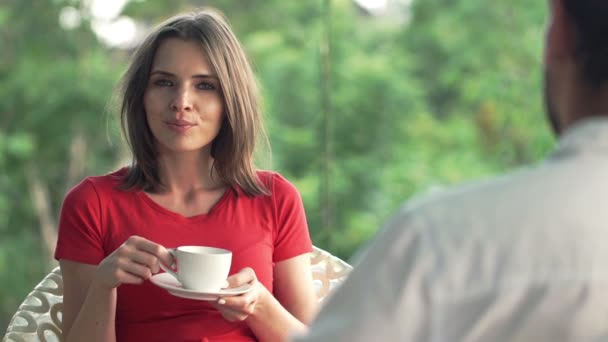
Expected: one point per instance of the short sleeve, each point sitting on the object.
(292, 237)
(80, 235)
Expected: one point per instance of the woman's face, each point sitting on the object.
(183, 100)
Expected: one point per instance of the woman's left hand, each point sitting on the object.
(239, 308)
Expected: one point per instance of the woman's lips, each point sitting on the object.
(180, 126)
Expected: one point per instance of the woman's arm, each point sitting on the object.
(90, 291)
(293, 287)
(295, 305)
(88, 310)
(274, 318)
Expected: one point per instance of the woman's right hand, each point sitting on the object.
(133, 262)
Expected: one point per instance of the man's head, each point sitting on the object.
(576, 61)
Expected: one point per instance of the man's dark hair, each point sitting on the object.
(590, 19)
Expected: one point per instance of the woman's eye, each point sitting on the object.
(163, 83)
(206, 86)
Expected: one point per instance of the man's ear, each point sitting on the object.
(561, 40)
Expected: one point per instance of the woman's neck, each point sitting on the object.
(187, 172)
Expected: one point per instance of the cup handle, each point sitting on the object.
(171, 269)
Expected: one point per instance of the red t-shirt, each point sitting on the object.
(96, 218)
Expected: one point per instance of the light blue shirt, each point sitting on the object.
(522, 257)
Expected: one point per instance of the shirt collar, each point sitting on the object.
(588, 135)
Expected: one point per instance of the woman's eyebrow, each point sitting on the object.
(166, 73)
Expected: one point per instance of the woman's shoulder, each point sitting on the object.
(276, 183)
(97, 185)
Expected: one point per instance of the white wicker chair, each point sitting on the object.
(39, 316)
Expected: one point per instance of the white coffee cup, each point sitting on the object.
(200, 268)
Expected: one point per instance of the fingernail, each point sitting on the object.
(226, 284)
(221, 302)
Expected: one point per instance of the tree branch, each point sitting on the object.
(47, 223)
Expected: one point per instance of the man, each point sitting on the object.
(523, 257)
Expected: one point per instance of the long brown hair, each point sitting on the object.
(233, 148)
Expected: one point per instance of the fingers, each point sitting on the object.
(244, 276)
(245, 302)
(233, 313)
(133, 262)
(114, 271)
(134, 268)
(128, 278)
(146, 259)
(148, 253)
(238, 308)
(154, 249)
(241, 303)
(129, 253)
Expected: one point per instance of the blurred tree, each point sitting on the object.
(55, 86)
(478, 67)
(484, 63)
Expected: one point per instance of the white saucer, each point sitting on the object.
(169, 283)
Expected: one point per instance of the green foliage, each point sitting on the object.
(450, 94)
(55, 86)
(20, 270)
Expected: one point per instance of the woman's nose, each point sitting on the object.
(182, 100)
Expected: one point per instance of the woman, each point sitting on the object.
(191, 117)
